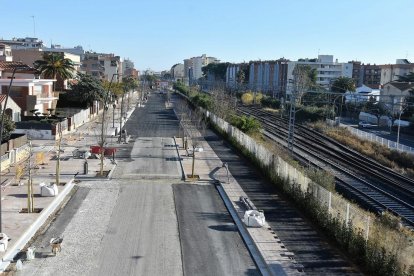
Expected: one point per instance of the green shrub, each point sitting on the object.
(202, 100)
(311, 113)
(270, 102)
(246, 124)
(247, 98)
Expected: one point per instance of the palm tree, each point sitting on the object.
(343, 84)
(54, 65)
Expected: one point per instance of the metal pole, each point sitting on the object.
(120, 119)
(398, 131)
(113, 115)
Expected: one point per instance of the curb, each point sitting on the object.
(248, 241)
(94, 178)
(34, 227)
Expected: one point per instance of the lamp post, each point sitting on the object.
(113, 115)
(103, 134)
(399, 125)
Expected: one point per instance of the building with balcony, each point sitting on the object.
(28, 91)
(366, 74)
(327, 69)
(102, 66)
(30, 55)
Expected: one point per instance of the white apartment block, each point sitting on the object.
(327, 69)
(193, 66)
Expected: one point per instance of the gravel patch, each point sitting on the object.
(82, 237)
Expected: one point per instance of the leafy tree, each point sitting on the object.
(304, 80)
(240, 77)
(343, 84)
(88, 89)
(8, 128)
(406, 78)
(55, 64)
(151, 79)
(217, 69)
(129, 83)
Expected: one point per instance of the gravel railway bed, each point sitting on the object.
(372, 185)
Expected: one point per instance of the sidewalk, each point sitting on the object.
(267, 249)
(21, 227)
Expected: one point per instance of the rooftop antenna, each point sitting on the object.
(34, 26)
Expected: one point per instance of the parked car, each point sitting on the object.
(363, 124)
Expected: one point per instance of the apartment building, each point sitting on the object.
(177, 71)
(390, 72)
(30, 55)
(23, 43)
(102, 66)
(193, 67)
(327, 69)
(394, 93)
(28, 91)
(366, 74)
(269, 77)
(5, 53)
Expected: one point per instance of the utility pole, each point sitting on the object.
(292, 117)
(34, 26)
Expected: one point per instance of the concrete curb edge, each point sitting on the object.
(34, 227)
(250, 244)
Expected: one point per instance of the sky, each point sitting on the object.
(156, 34)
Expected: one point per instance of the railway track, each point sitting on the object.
(372, 185)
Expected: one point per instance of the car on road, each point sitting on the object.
(363, 124)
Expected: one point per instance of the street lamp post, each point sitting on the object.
(103, 134)
(113, 115)
(399, 124)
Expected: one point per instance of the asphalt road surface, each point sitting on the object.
(210, 242)
(129, 225)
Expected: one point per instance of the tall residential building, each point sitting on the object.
(390, 72)
(269, 77)
(188, 66)
(177, 71)
(327, 69)
(192, 67)
(128, 69)
(366, 74)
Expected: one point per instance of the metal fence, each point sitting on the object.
(375, 138)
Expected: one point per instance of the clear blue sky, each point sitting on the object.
(157, 34)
